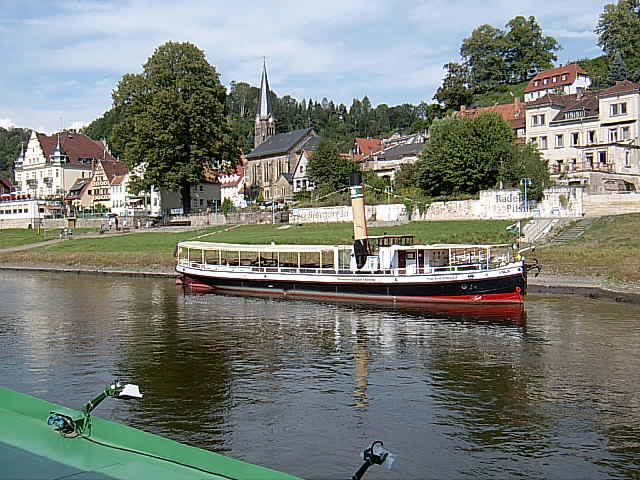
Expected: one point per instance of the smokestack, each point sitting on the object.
(360, 244)
(357, 207)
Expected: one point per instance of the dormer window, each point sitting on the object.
(536, 83)
(546, 81)
(554, 79)
(564, 77)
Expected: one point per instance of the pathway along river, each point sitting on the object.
(302, 386)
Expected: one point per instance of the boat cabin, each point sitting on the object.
(388, 255)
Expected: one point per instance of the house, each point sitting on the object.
(387, 162)
(512, 113)
(6, 186)
(300, 180)
(78, 196)
(50, 165)
(590, 138)
(125, 203)
(562, 80)
(274, 154)
(232, 187)
(398, 139)
(99, 190)
(363, 147)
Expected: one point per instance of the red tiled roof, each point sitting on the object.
(571, 70)
(113, 169)
(512, 113)
(558, 100)
(76, 146)
(625, 86)
(367, 146)
(117, 180)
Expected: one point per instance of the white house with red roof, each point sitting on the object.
(562, 80)
(232, 187)
(50, 165)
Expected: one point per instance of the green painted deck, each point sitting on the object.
(31, 449)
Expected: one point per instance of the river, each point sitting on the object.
(304, 386)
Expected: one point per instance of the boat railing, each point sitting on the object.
(473, 267)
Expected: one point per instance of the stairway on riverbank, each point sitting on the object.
(573, 232)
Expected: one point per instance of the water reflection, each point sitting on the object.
(302, 386)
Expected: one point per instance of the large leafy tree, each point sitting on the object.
(618, 30)
(173, 120)
(465, 155)
(484, 55)
(455, 89)
(330, 170)
(528, 50)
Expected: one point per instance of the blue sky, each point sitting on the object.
(63, 58)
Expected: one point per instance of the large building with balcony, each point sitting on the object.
(590, 138)
(50, 165)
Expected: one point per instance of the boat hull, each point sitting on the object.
(506, 288)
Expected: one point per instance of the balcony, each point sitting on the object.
(32, 182)
(583, 167)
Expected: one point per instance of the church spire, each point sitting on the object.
(264, 111)
(265, 123)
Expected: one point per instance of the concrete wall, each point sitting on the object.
(559, 202)
(380, 213)
(611, 204)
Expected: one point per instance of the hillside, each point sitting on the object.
(608, 250)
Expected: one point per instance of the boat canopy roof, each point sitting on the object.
(244, 247)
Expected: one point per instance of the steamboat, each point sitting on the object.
(386, 268)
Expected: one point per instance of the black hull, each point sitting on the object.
(506, 289)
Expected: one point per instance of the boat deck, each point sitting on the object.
(29, 448)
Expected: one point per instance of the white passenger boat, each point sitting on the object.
(389, 268)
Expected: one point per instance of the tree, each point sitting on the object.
(10, 145)
(173, 121)
(526, 161)
(528, 51)
(618, 30)
(617, 70)
(327, 168)
(484, 55)
(406, 176)
(455, 89)
(227, 206)
(464, 154)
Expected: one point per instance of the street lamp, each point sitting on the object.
(526, 182)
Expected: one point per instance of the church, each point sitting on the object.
(273, 161)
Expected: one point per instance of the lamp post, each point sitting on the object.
(526, 182)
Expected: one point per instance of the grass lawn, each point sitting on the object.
(610, 248)
(20, 236)
(156, 248)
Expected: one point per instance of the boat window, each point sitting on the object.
(229, 257)
(411, 255)
(195, 255)
(289, 259)
(344, 259)
(327, 259)
(212, 257)
(309, 259)
(268, 259)
(249, 259)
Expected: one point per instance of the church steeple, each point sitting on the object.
(265, 123)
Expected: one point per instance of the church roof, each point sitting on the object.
(264, 110)
(280, 143)
(313, 143)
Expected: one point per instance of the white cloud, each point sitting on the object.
(77, 125)
(7, 123)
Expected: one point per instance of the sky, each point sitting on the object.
(63, 58)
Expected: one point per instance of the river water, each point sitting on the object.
(304, 386)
